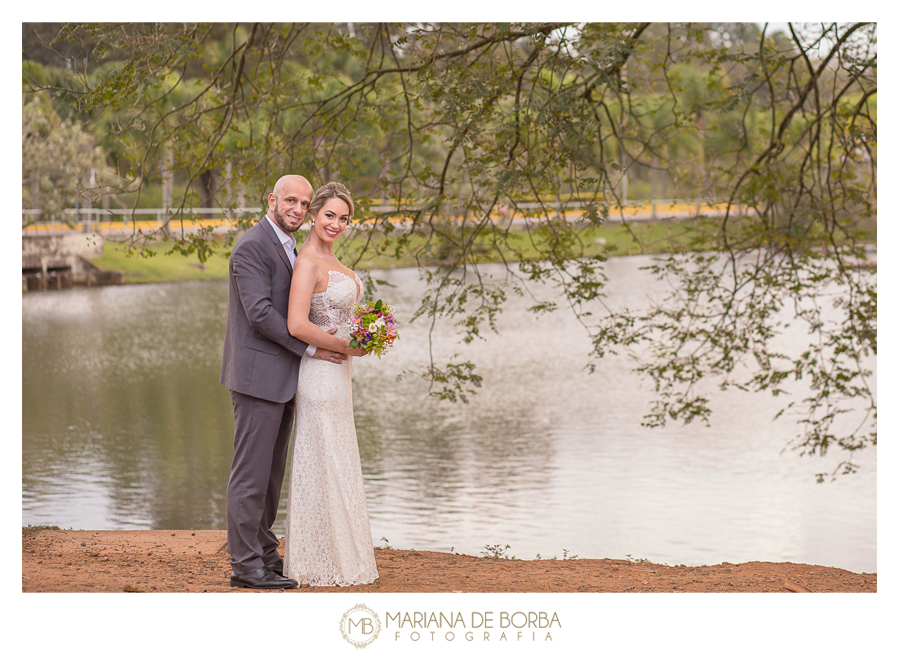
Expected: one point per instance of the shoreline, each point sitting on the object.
(146, 561)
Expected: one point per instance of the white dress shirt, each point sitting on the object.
(287, 240)
(289, 243)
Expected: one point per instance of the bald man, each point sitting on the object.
(260, 365)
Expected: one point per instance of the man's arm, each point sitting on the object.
(250, 268)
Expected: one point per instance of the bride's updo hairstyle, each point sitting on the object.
(330, 191)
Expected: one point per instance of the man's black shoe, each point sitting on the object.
(262, 578)
(277, 567)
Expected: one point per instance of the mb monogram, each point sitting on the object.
(360, 625)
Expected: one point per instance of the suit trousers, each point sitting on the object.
(262, 432)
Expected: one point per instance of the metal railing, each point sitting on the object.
(89, 220)
(101, 219)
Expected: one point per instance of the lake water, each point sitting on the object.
(126, 427)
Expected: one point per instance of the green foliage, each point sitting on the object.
(565, 556)
(449, 134)
(497, 552)
(61, 166)
(38, 528)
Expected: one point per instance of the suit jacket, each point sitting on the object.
(261, 358)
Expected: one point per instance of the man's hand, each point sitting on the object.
(328, 355)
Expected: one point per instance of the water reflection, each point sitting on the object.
(125, 426)
(117, 397)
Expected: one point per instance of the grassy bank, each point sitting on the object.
(617, 240)
(382, 252)
(162, 266)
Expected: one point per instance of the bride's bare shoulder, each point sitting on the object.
(305, 266)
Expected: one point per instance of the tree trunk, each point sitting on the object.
(665, 180)
(35, 193)
(227, 191)
(207, 184)
(168, 164)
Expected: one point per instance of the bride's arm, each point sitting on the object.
(303, 284)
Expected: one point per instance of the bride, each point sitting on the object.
(327, 539)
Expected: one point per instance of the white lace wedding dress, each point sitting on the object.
(327, 539)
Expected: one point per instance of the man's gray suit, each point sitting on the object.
(260, 364)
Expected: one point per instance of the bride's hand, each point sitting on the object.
(357, 351)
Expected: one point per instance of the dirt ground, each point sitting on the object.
(197, 561)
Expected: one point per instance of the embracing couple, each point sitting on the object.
(287, 363)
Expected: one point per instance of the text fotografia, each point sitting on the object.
(478, 626)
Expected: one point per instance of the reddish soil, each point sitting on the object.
(197, 561)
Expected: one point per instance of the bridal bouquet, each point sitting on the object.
(372, 327)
